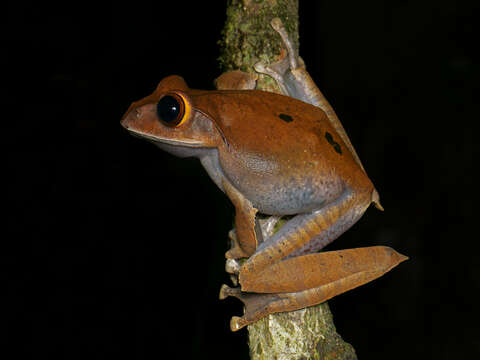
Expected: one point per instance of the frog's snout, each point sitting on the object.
(133, 113)
(125, 122)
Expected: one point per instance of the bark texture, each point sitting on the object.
(303, 334)
(246, 39)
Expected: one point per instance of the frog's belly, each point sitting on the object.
(275, 189)
(291, 196)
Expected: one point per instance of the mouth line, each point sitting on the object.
(140, 134)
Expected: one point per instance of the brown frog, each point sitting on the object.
(276, 155)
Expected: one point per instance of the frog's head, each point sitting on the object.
(169, 119)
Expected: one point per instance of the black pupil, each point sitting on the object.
(168, 109)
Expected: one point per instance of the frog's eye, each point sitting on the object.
(173, 109)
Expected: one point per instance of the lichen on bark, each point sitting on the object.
(303, 334)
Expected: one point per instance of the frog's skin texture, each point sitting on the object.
(276, 155)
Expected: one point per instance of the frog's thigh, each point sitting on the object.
(306, 233)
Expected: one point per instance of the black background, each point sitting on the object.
(115, 249)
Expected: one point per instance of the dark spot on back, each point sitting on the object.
(285, 117)
(336, 146)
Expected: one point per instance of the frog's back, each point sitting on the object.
(282, 153)
(261, 122)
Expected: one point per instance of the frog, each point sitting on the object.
(276, 156)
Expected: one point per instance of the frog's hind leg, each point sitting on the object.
(318, 277)
(304, 234)
(286, 279)
(308, 232)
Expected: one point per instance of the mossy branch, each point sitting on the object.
(246, 39)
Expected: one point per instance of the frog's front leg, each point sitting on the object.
(247, 234)
(232, 265)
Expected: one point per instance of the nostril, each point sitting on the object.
(138, 112)
(124, 121)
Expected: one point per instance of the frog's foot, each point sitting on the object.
(275, 70)
(232, 264)
(277, 25)
(288, 63)
(257, 306)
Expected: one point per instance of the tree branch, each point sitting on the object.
(246, 39)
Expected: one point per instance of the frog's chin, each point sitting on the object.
(161, 140)
(181, 149)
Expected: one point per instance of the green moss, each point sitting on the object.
(248, 37)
